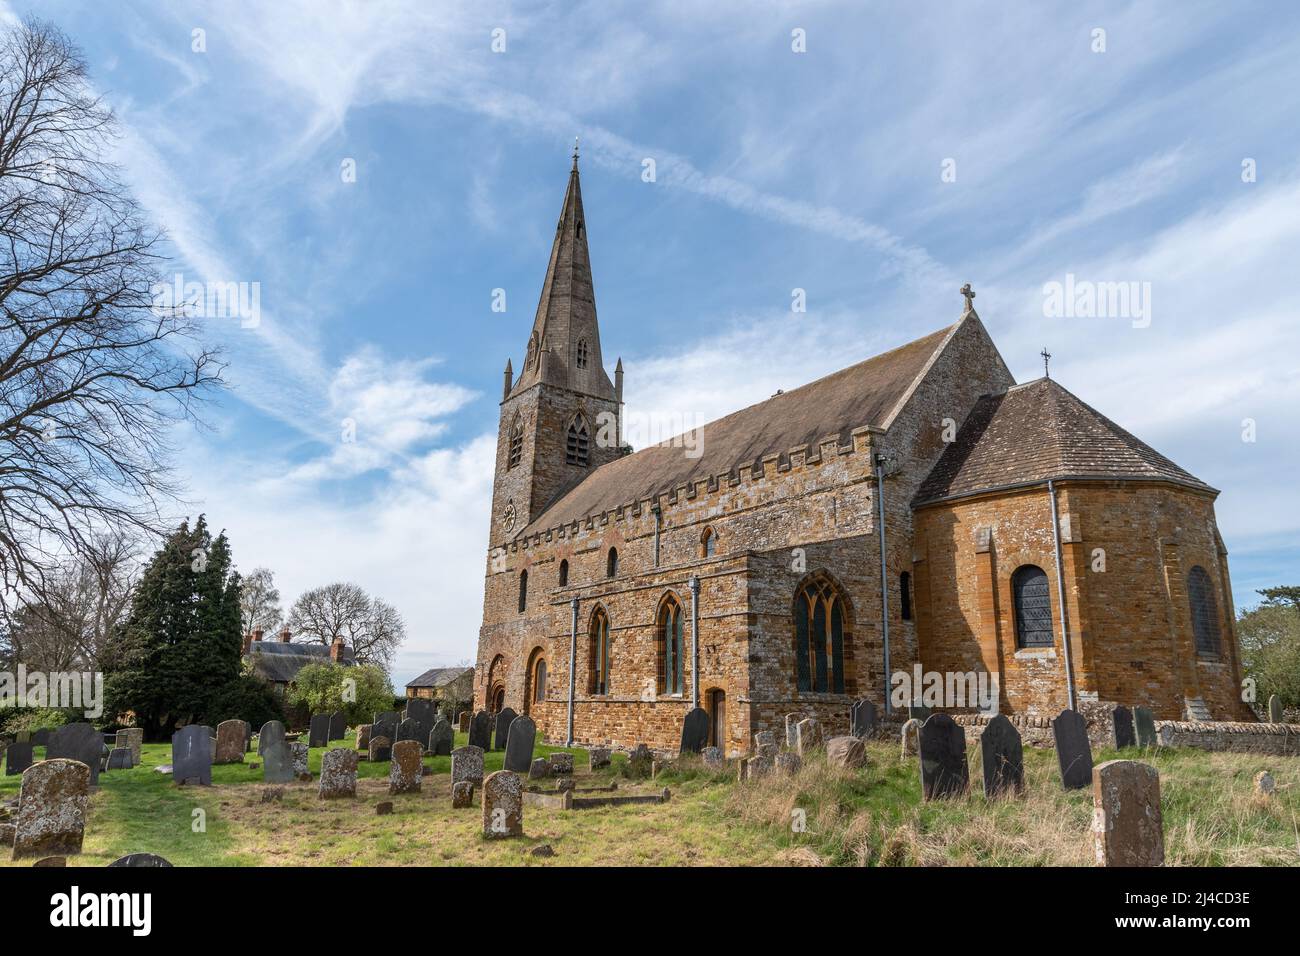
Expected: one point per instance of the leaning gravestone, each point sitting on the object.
(318, 731)
(51, 818)
(1144, 725)
(791, 729)
(363, 737)
(407, 730)
(232, 738)
(862, 718)
(941, 745)
(338, 774)
(695, 731)
(519, 744)
(140, 860)
(1073, 751)
(503, 805)
(338, 726)
(407, 767)
(467, 764)
(381, 748)
(441, 738)
(1122, 721)
(504, 720)
(807, 735)
(17, 758)
(1127, 828)
(765, 744)
(385, 725)
(192, 756)
(1275, 715)
(77, 742)
(277, 763)
(1003, 758)
(480, 731)
(119, 758)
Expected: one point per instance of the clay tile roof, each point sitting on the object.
(862, 394)
(438, 676)
(280, 662)
(1040, 431)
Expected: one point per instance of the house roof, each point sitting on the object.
(1039, 431)
(280, 662)
(864, 394)
(439, 676)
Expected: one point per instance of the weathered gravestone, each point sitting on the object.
(640, 761)
(712, 757)
(561, 763)
(18, 757)
(408, 730)
(848, 752)
(480, 731)
(192, 756)
(407, 767)
(381, 748)
(862, 718)
(134, 739)
(462, 794)
(911, 730)
(363, 737)
(318, 731)
(232, 739)
(140, 860)
(519, 744)
(1144, 725)
(119, 758)
(338, 726)
(695, 731)
(441, 738)
(385, 725)
(807, 736)
(467, 764)
(1003, 758)
(1073, 751)
(1127, 828)
(1275, 715)
(787, 763)
(502, 736)
(598, 757)
(765, 744)
(300, 753)
(791, 729)
(503, 805)
(1122, 722)
(338, 774)
(539, 769)
(277, 762)
(942, 748)
(51, 817)
(77, 742)
(462, 721)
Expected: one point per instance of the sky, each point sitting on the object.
(379, 169)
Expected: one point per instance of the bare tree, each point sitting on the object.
(372, 628)
(259, 602)
(92, 377)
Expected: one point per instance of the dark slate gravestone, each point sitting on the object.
(77, 742)
(862, 718)
(408, 729)
(1144, 725)
(519, 744)
(140, 860)
(338, 726)
(442, 738)
(192, 756)
(1073, 752)
(41, 737)
(119, 758)
(1003, 758)
(504, 720)
(17, 758)
(318, 731)
(1123, 722)
(423, 712)
(480, 730)
(942, 746)
(918, 712)
(277, 760)
(695, 731)
(385, 725)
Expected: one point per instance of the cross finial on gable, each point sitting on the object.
(1047, 357)
(969, 293)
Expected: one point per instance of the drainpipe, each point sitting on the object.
(573, 652)
(884, 573)
(1060, 596)
(694, 583)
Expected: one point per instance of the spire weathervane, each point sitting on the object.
(575, 152)
(969, 293)
(1047, 357)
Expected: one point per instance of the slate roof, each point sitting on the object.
(1040, 431)
(862, 394)
(438, 676)
(279, 662)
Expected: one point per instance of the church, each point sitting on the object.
(919, 511)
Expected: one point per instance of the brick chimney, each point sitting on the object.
(285, 634)
(336, 650)
(248, 639)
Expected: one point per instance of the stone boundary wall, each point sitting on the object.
(1281, 740)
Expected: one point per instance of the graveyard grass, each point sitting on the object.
(873, 816)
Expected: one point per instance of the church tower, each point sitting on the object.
(560, 417)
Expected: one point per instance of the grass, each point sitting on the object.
(872, 816)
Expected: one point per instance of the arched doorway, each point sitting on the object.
(498, 700)
(717, 709)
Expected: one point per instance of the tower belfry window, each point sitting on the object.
(582, 353)
(516, 443)
(576, 447)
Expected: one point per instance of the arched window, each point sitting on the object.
(539, 681)
(1033, 606)
(905, 595)
(564, 572)
(708, 543)
(516, 443)
(582, 353)
(611, 563)
(599, 666)
(819, 626)
(669, 629)
(1205, 612)
(576, 445)
(523, 591)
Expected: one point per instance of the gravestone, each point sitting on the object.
(318, 731)
(712, 757)
(791, 729)
(765, 744)
(862, 718)
(1127, 827)
(119, 758)
(363, 737)
(941, 744)
(385, 725)
(140, 860)
(41, 737)
(561, 763)
(408, 730)
(918, 712)
(519, 744)
(423, 712)
(407, 767)
(462, 794)
(277, 763)
(18, 757)
(787, 763)
(467, 764)
(1144, 725)
(504, 720)
(462, 721)
(1003, 758)
(695, 731)
(122, 739)
(441, 738)
(807, 736)
(300, 754)
(539, 769)
(1275, 715)
(1122, 721)
(134, 740)
(77, 742)
(480, 731)
(598, 757)
(338, 726)
(192, 756)
(232, 739)
(753, 768)
(640, 762)
(848, 752)
(1073, 751)
(381, 748)
(503, 805)
(338, 774)
(51, 818)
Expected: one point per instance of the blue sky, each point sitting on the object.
(775, 170)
